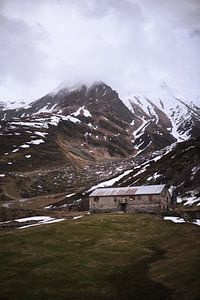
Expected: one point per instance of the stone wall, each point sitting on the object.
(104, 203)
(146, 203)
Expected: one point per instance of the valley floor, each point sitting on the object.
(101, 257)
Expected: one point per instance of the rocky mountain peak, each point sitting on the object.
(79, 126)
(95, 109)
(64, 88)
(97, 97)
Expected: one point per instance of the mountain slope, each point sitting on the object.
(152, 124)
(59, 136)
(168, 113)
(177, 166)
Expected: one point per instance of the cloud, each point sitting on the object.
(18, 48)
(133, 45)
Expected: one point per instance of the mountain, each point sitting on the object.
(49, 146)
(152, 123)
(88, 123)
(77, 136)
(160, 115)
(177, 166)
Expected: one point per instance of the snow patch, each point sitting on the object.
(189, 200)
(69, 195)
(41, 220)
(174, 219)
(35, 218)
(46, 109)
(31, 124)
(42, 134)
(181, 220)
(70, 118)
(24, 146)
(36, 142)
(110, 182)
(54, 120)
(78, 217)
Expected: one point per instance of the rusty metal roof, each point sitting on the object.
(129, 191)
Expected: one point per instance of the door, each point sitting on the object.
(123, 207)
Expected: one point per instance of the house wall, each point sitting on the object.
(145, 203)
(104, 204)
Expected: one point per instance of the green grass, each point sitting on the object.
(101, 257)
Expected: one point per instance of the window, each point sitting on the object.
(96, 199)
(115, 199)
(150, 197)
(132, 198)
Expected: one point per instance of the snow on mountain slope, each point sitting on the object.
(9, 105)
(177, 166)
(178, 116)
(88, 124)
(152, 122)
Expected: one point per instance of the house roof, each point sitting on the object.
(129, 191)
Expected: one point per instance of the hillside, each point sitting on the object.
(74, 138)
(177, 166)
(101, 257)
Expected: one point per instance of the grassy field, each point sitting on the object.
(101, 257)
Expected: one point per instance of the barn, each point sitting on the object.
(145, 198)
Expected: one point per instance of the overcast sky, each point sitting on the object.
(132, 45)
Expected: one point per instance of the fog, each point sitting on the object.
(132, 45)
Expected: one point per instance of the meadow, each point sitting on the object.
(113, 257)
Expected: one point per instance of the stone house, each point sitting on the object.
(146, 198)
